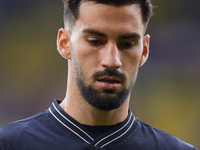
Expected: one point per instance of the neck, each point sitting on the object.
(86, 114)
(78, 108)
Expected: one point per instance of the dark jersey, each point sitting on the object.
(54, 129)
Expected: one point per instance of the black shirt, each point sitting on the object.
(54, 129)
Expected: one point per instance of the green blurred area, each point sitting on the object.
(166, 94)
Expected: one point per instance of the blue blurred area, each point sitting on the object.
(166, 94)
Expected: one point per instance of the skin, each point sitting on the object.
(103, 37)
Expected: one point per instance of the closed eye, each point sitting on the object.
(125, 45)
(94, 41)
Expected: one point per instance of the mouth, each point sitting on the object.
(109, 80)
(109, 83)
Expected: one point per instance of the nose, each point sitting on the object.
(111, 57)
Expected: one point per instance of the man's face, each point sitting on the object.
(107, 48)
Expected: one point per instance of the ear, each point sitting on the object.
(63, 43)
(145, 52)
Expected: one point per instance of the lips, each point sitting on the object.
(109, 82)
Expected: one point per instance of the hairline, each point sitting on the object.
(69, 25)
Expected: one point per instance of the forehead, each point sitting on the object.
(105, 17)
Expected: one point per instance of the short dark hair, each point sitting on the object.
(71, 8)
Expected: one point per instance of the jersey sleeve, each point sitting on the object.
(8, 134)
(194, 148)
(2, 146)
(4, 138)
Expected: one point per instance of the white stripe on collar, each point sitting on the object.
(120, 135)
(72, 122)
(115, 133)
(106, 139)
(68, 127)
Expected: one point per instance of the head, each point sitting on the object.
(105, 45)
(71, 9)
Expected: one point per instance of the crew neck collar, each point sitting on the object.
(69, 125)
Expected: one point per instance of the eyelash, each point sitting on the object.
(120, 45)
(95, 42)
(126, 45)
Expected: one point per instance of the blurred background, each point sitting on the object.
(166, 94)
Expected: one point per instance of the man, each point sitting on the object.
(105, 44)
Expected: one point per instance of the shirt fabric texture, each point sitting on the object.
(54, 129)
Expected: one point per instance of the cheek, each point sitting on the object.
(86, 58)
(87, 61)
(83, 52)
(130, 65)
(131, 60)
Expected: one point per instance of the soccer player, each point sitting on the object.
(104, 42)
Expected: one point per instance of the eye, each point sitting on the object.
(94, 41)
(125, 45)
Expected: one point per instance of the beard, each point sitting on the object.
(102, 99)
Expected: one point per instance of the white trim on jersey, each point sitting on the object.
(72, 122)
(68, 127)
(112, 133)
(101, 141)
(120, 135)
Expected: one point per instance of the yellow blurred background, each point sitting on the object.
(166, 94)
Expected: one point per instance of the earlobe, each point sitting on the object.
(145, 52)
(63, 43)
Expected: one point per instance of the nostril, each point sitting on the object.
(112, 68)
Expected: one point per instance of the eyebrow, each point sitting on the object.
(130, 36)
(95, 32)
(125, 36)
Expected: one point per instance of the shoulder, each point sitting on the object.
(13, 131)
(162, 139)
(20, 124)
